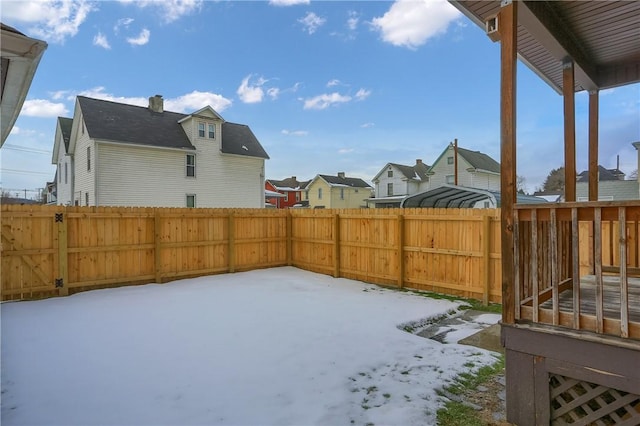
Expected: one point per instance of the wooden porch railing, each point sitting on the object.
(578, 265)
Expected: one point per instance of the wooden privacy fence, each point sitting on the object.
(54, 250)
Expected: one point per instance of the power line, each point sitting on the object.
(25, 149)
(25, 172)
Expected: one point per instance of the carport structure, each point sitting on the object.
(453, 196)
(571, 318)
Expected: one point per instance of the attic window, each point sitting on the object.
(212, 131)
(390, 173)
(449, 160)
(201, 130)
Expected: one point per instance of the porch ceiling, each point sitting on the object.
(602, 38)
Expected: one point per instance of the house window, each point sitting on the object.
(88, 158)
(82, 126)
(390, 173)
(297, 196)
(306, 194)
(60, 172)
(319, 193)
(191, 200)
(389, 189)
(449, 160)
(286, 197)
(86, 198)
(201, 130)
(342, 193)
(191, 165)
(212, 131)
(450, 179)
(66, 173)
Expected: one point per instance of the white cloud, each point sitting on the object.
(250, 94)
(186, 103)
(295, 132)
(170, 10)
(325, 100)
(99, 93)
(53, 21)
(411, 23)
(367, 125)
(345, 150)
(352, 22)
(60, 94)
(43, 108)
(101, 40)
(288, 2)
(195, 100)
(362, 94)
(312, 22)
(123, 22)
(273, 92)
(141, 40)
(333, 82)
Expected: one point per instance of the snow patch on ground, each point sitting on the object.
(271, 347)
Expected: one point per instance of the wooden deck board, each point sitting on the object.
(611, 298)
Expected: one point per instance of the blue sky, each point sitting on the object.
(326, 86)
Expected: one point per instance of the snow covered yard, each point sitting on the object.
(279, 346)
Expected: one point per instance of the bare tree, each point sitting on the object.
(521, 185)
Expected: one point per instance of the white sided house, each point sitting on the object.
(63, 182)
(395, 181)
(474, 170)
(126, 155)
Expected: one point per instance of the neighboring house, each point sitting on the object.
(611, 184)
(603, 175)
(19, 59)
(337, 192)
(290, 188)
(64, 162)
(50, 193)
(395, 181)
(126, 155)
(475, 170)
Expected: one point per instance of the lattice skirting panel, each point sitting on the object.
(576, 402)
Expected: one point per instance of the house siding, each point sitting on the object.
(314, 201)
(84, 180)
(64, 189)
(351, 200)
(140, 176)
(399, 181)
(610, 190)
(474, 179)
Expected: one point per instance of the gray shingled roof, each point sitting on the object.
(347, 181)
(239, 139)
(421, 170)
(286, 183)
(478, 160)
(65, 127)
(118, 122)
(603, 174)
(407, 171)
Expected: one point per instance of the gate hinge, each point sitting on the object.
(59, 217)
(59, 282)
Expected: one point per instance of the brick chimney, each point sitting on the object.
(418, 161)
(341, 175)
(294, 178)
(156, 103)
